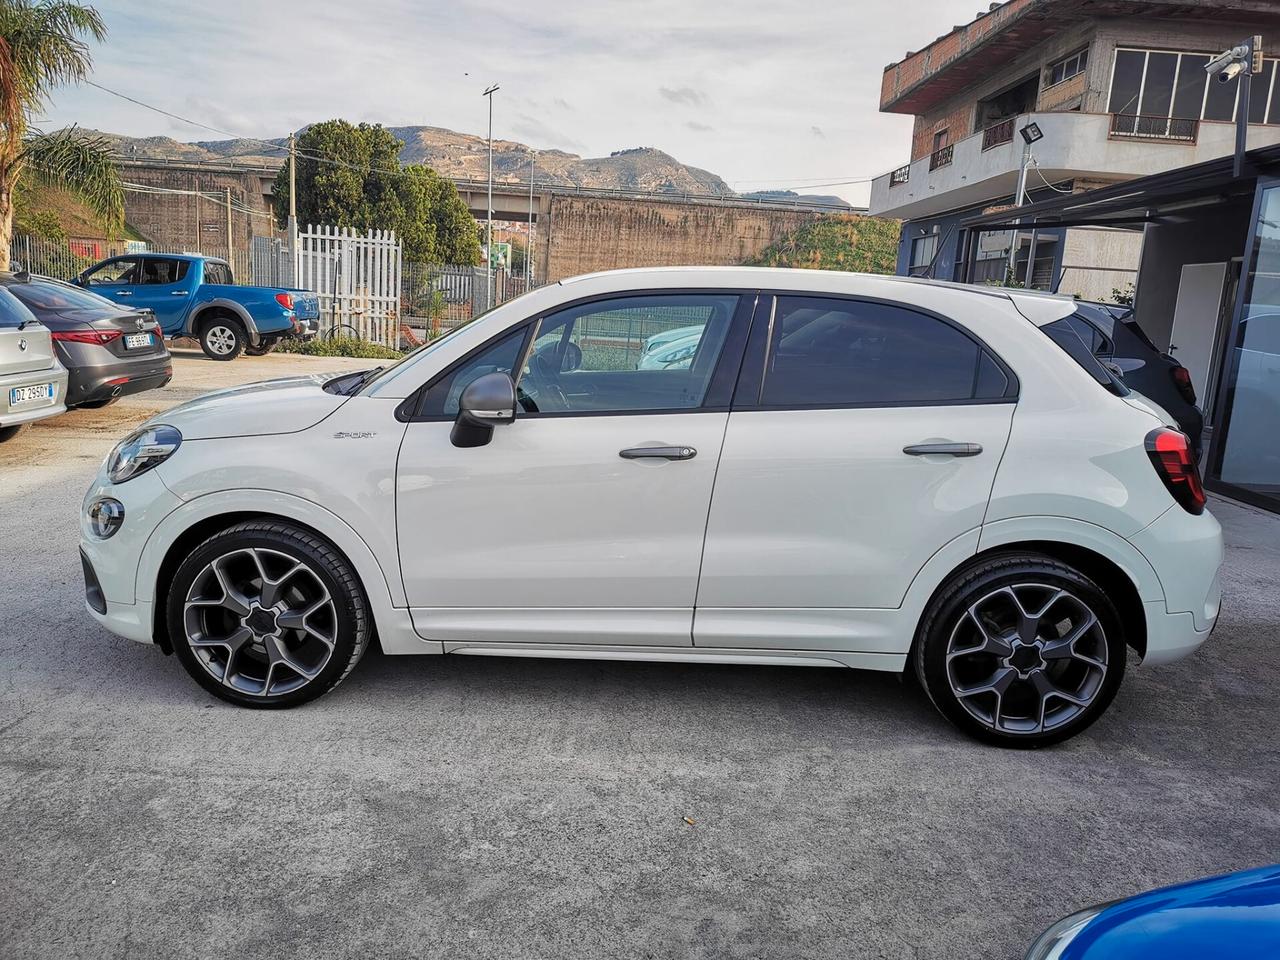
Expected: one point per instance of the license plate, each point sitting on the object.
(134, 340)
(37, 392)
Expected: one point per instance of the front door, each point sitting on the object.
(583, 520)
(117, 279)
(867, 438)
(165, 290)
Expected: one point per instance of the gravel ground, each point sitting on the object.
(478, 807)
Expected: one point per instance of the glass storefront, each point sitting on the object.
(1247, 459)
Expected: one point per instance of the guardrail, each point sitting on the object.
(998, 133)
(1134, 126)
(942, 157)
(901, 175)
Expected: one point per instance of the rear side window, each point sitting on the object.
(12, 312)
(217, 273)
(1064, 333)
(829, 352)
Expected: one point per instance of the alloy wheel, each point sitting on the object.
(260, 621)
(221, 340)
(1027, 658)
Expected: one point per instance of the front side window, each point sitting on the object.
(628, 354)
(828, 352)
(499, 357)
(124, 270)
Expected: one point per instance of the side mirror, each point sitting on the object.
(485, 401)
(80, 281)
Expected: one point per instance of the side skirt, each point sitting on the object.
(894, 662)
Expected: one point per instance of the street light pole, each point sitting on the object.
(293, 194)
(528, 249)
(488, 246)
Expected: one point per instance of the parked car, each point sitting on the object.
(671, 355)
(1112, 333)
(109, 351)
(194, 296)
(836, 479)
(1234, 917)
(33, 385)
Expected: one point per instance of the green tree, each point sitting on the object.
(367, 189)
(837, 242)
(43, 45)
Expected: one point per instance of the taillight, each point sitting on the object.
(285, 300)
(87, 336)
(1170, 452)
(1182, 380)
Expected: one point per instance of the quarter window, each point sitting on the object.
(629, 354)
(500, 357)
(217, 273)
(827, 352)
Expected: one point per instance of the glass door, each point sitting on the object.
(1246, 457)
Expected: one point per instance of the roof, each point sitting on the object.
(963, 57)
(1136, 202)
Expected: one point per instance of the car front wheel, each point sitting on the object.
(265, 614)
(1021, 650)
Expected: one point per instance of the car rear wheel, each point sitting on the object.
(222, 338)
(267, 615)
(1021, 650)
(8, 433)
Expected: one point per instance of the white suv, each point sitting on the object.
(849, 470)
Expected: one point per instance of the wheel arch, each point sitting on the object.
(203, 517)
(222, 307)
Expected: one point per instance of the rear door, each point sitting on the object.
(864, 436)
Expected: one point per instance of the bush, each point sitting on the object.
(341, 347)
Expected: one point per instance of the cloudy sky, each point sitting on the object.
(765, 94)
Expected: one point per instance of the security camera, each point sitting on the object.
(1230, 72)
(1229, 58)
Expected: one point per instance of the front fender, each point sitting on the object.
(384, 593)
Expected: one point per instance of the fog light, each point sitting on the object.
(105, 517)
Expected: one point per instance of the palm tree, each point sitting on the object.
(43, 45)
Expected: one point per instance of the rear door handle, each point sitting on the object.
(177, 293)
(658, 453)
(124, 293)
(943, 449)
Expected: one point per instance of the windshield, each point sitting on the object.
(58, 296)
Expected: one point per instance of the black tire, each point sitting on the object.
(222, 337)
(8, 433)
(262, 349)
(1078, 677)
(350, 625)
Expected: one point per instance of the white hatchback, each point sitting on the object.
(848, 470)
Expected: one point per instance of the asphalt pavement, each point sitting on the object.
(483, 807)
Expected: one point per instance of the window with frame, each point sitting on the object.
(159, 271)
(827, 352)
(124, 270)
(923, 251)
(1174, 86)
(1068, 67)
(215, 272)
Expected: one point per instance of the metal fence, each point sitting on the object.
(67, 259)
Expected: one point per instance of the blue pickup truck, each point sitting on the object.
(195, 296)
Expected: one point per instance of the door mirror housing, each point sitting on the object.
(485, 402)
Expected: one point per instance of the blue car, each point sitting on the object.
(196, 296)
(1236, 917)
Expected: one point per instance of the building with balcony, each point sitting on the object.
(1118, 89)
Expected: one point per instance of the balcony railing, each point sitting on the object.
(998, 133)
(942, 156)
(901, 175)
(1132, 126)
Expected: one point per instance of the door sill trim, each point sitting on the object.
(893, 662)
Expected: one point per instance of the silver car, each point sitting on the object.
(33, 384)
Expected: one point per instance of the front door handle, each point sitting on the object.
(177, 293)
(943, 449)
(658, 453)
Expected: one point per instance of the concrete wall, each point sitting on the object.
(584, 234)
(1204, 238)
(1096, 261)
(187, 223)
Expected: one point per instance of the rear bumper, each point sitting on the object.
(119, 379)
(1186, 553)
(24, 414)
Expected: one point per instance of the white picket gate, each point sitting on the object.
(356, 276)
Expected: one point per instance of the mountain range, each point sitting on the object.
(464, 156)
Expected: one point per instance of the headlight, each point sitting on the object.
(141, 450)
(1051, 944)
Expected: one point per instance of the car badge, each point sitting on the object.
(140, 322)
(22, 345)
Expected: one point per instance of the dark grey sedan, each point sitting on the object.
(109, 351)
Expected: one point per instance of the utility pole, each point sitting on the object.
(1030, 134)
(488, 246)
(528, 248)
(229, 245)
(293, 193)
